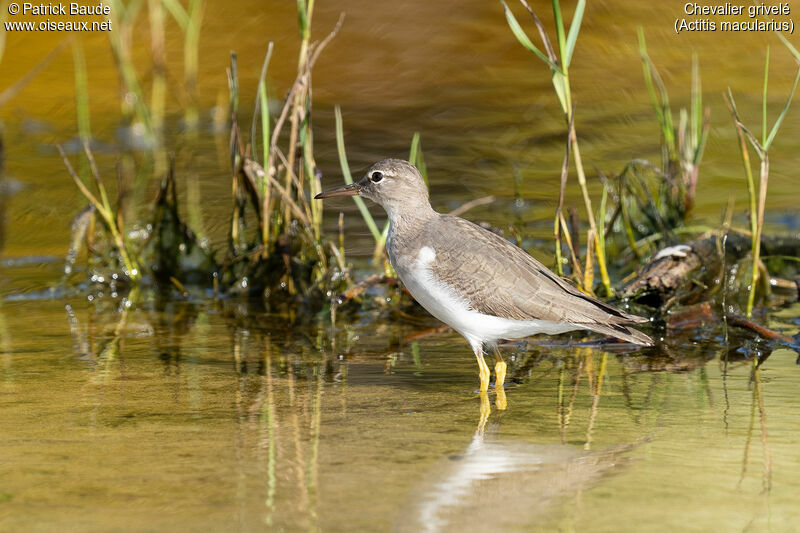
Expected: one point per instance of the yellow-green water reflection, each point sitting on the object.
(482, 104)
(202, 417)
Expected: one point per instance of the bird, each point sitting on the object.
(481, 285)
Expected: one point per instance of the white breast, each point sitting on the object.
(444, 302)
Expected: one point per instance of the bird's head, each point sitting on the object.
(395, 184)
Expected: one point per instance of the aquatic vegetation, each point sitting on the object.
(643, 199)
(647, 206)
(682, 143)
(653, 200)
(559, 68)
(762, 149)
(276, 247)
(287, 255)
(111, 217)
(721, 265)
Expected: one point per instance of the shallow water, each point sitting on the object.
(216, 415)
(206, 417)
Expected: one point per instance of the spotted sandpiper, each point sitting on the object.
(478, 283)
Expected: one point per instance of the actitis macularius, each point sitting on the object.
(478, 283)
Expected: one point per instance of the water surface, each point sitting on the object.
(217, 415)
(205, 417)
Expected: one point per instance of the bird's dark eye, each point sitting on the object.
(376, 177)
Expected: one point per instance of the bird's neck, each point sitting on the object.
(409, 216)
(405, 225)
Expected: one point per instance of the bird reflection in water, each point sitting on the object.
(524, 479)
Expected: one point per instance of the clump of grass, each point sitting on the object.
(262, 112)
(275, 177)
(682, 142)
(110, 216)
(559, 69)
(278, 182)
(348, 178)
(761, 147)
(163, 252)
(651, 202)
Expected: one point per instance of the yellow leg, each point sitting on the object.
(500, 378)
(483, 370)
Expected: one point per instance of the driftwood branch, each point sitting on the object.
(691, 272)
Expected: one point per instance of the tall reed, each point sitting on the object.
(559, 70)
(189, 22)
(276, 175)
(761, 147)
(682, 144)
(81, 91)
(123, 17)
(262, 113)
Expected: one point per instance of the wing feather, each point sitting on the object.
(500, 279)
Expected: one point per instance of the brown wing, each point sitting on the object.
(502, 280)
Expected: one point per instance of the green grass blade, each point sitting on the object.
(660, 105)
(560, 86)
(648, 77)
(178, 12)
(81, 91)
(764, 102)
(574, 28)
(783, 113)
(262, 109)
(302, 19)
(263, 104)
(412, 154)
(696, 124)
(523, 39)
(791, 48)
(416, 157)
(560, 33)
(348, 178)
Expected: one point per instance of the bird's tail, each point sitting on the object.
(623, 332)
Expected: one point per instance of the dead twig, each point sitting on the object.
(460, 210)
(763, 331)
